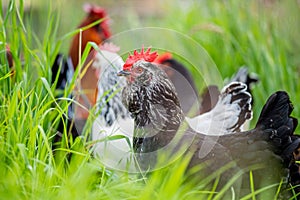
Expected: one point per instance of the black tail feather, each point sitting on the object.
(275, 116)
(276, 113)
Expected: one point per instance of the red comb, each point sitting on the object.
(93, 9)
(98, 13)
(163, 57)
(147, 56)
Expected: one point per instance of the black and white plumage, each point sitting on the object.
(151, 98)
(110, 102)
(210, 99)
(113, 123)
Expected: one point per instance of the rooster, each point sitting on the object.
(86, 90)
(159, 126)
(113, 128)
(98, 33)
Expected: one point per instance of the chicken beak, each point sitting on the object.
(123, 73)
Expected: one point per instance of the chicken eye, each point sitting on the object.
(139, 70)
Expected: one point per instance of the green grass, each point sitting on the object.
(263, 37)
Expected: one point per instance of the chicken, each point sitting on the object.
(98, 33)
(160, 131)
(86, 88)
(113, 128)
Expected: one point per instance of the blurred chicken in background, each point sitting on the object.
(97, 33)
(86, 88)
